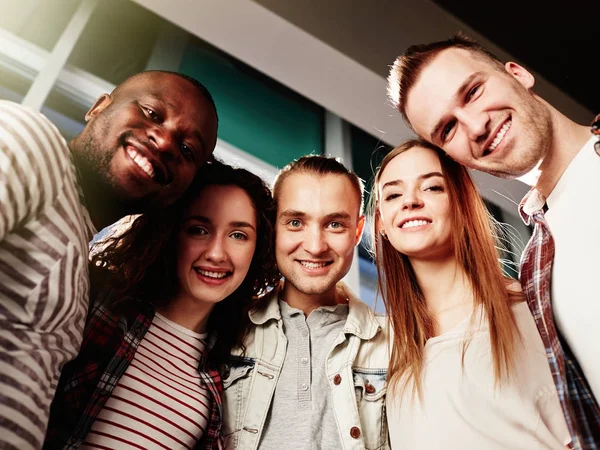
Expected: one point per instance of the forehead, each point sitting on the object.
(223, 204)
(318, 195)
(170, 88)
(411, 164)
(432, 95)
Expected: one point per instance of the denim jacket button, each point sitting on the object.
(337, 379)
(369, 388)
(355, 432)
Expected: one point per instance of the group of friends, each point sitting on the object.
(216, 317)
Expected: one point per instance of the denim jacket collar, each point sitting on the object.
(361, 321)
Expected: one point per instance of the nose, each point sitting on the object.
(216, 250)
(411, 200)
(163, 139)
(315, 241)
(475, 123)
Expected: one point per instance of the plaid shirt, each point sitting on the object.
(109, 345)
(580, 408)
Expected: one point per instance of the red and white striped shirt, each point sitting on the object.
(160, 401)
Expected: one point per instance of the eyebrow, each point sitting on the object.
(425, 176)
(292, 213)
(338, 216)
(457, 96)
(289, 213)
(234, 224)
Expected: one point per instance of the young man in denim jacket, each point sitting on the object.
(313, 371)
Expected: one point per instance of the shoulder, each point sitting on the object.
(375, 352)
(28, 130)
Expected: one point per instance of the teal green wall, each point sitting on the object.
(256, 114)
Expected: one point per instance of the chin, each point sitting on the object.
(211, 301)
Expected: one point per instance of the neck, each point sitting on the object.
(446, 289)
(307, 303)
(100, 204)
(568, 138)
(190, 314)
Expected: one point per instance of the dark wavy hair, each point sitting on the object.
(140, 262)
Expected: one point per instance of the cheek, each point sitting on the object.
(187, 252)
(458, 149)
(342, 244)
(386, 213)
(286, 241)
(243, 258)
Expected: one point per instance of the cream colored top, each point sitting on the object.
(462, 409)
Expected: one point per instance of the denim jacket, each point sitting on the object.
(356, 370)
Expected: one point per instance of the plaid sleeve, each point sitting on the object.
(80, 377)
(212, 439)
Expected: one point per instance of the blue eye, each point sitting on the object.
(336, 225)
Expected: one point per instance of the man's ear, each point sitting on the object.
(360, 226)
(520, 73)
(99, 105)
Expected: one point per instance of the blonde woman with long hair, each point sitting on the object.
(468, 369)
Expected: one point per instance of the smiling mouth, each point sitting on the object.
(142, 162)
(315, 265)
(213, 275)
(415, 223)
(498, 138)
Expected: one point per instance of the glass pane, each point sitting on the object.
(40, 22)
(66, 113)
(117, 41)
(13, 86)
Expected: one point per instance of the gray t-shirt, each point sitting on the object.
(301, 416)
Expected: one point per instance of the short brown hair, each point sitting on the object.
(318, 165)
(405, 71)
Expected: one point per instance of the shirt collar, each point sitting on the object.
(533, 201)
(361, 320)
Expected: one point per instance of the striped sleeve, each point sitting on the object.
(32, 164)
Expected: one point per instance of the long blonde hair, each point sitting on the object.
(475, 250)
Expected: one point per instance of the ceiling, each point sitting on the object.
(561, 43)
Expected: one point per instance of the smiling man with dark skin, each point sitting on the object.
(143, 144)
(140, 149)
(485, 114)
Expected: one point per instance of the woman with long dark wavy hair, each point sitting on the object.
(170, 298)
(468, 368)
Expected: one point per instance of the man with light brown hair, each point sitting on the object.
(484, 114)
(313, 371)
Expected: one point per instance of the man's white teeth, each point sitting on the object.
(312, 265)
(209, 274)
(499, 136)
(414, 223)
(141, 161)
